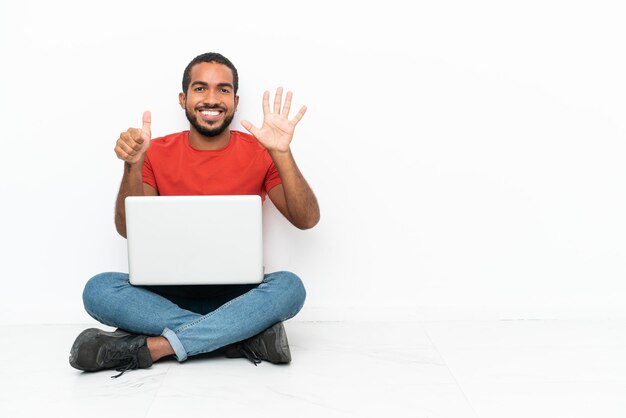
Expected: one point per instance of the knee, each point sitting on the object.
(293, 290)
(97, 289)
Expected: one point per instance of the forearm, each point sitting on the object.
(131, 185)
(302, 207)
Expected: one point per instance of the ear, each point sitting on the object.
(236, 102)
(181, 99)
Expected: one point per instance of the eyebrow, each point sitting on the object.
(202, 83)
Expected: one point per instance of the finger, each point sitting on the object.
(287, 105)
(145, 136)
(299, 115)
(266, 102)
(278, 99)
(128, 149)
(250, 127)
(133, 137)
(147, 123)
(123, 155)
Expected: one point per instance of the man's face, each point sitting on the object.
(210, 102)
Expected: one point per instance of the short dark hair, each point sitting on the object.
(210, 57)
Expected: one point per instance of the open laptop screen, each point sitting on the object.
(184, 240)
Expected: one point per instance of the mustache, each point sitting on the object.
(211, 107)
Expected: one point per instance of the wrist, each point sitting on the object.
(279, 154)
(133, 168)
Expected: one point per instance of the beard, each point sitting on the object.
(209, 132)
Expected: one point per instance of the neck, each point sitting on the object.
(208, 143)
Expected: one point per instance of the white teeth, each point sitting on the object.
(210, 112)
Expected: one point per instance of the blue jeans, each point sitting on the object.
(194, 319)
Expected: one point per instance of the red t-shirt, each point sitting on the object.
(175, 168)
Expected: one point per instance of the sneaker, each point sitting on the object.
(95, 350)
(270, 345)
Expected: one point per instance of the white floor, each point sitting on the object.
(491, 369)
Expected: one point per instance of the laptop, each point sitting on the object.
(193, 240)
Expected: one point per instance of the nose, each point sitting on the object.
(211, 97)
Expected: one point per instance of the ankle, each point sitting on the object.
(159, 347)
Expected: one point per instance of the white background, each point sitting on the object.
(468, 156)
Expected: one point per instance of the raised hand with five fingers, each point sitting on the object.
(277, 130)
(133, 144)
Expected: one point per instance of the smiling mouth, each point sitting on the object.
(211, 115)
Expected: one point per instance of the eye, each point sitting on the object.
(199, 89)
(226, 90)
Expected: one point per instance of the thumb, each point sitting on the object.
(147, 122)
(249, 127)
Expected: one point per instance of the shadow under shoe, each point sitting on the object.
(95, 350)
(270, 345)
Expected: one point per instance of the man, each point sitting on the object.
(245, 320)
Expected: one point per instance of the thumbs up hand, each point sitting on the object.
(132, 145)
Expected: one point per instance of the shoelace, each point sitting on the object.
(132, 364)
(127, 361)
(250, 353)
